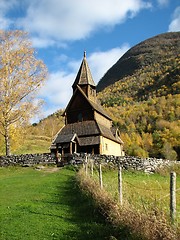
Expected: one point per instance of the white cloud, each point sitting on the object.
(59, 20)
(5, 6)
(4, 22)
(57, 90)
(42, 42)
(163, 2)
(100, 62)
(175, 23)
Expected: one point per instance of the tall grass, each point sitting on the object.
(152, 225)
(144, 191)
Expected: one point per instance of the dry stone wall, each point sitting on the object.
(126, 162)
(26, 160)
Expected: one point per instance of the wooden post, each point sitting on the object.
(86, 168)
(70, 150)
(120, 184)
(86, 165)
(75, 147)
(92, 168)
(100, 176)
(173, 196)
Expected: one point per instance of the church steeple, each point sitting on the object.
(84, 80)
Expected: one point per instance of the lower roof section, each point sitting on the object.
(89, 141)
(87, 133)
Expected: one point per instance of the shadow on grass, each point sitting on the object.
(91, 224)
(73, 215)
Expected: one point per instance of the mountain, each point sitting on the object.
(160, 53)
(141, 92)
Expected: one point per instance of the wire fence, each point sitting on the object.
(144, 191)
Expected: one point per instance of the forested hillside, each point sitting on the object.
(145, 101)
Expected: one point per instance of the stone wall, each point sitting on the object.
(27, 159)
(127, 162)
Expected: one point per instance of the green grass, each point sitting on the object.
(33, 146)
(144, 192)
(46, 205)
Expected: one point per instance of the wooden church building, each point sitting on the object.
(88, 128)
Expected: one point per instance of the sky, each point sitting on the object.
(61, 30)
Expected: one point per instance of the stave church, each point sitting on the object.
(88, 128)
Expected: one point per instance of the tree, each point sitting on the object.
(21, 75)
(169, 152)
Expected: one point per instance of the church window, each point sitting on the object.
(80, 117)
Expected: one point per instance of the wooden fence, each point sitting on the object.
(89, 169)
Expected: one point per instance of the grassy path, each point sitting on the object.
(46, 205)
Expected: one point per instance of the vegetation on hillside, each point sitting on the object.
(35, 138)
(150, 128)
(153, 50)
(146, 104)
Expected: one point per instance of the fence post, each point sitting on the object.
(100, 176)
(92, 168)
(173, 196)
(120, 184)
(86, 165)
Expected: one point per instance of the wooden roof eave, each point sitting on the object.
(113, 138)
(56, 135)
(71, 100)
(93, 105)
(64, 113)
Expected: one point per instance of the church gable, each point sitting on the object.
(79, 109)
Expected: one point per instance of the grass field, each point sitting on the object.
(144, 192)
(34, 144)
(46, 204)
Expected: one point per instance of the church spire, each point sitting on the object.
(85, 81)
(84, 76)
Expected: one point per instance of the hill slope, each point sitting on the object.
(35, 138)
(141, 93)
(149, 55)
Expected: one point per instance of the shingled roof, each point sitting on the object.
(88, 133)
(84, 76)
(86, 128)
(65, 138)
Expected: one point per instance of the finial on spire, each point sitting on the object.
(84, 54)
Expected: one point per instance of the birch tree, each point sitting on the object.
(21, 75)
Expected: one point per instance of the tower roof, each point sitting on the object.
(84, 76)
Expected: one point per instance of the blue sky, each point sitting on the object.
(62, 29)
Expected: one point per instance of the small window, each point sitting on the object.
(80, 117)
(106, 147)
